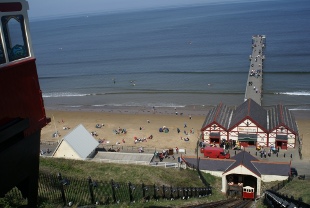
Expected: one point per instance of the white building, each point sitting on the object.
(242, 170)
(251, 124)
(78, 144)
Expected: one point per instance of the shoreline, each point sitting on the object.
(185, 110)
(141, 122)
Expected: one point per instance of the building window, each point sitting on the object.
(15, 37)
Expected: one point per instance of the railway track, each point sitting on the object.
(228, 203)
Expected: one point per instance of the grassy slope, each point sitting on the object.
(138, 174)
(135, 174)
(121, 172)
(298, 188)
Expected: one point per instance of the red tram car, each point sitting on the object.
(248, 192)
(22, 112)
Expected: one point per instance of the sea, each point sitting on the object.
(174, 57)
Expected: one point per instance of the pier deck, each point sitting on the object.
(254, 86)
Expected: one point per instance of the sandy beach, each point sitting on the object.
(142, 123)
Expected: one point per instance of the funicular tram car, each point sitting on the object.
(248, 192)
(241, 186)
(22, 113)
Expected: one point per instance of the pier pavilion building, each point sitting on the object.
(251, 124)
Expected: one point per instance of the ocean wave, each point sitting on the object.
(149, 105)
(297, 93)
(135, 58)
(139, 92)
(63, 94)
(74, 106)
(185, 72)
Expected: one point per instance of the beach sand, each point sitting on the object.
(133, 119)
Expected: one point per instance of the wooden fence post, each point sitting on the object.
(113, 191)
(91, 192)
(131, 188)
(61, 186)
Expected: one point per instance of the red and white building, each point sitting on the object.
(251, 124)
(216, 124)
(283, 131)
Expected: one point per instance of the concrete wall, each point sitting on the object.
(214, 173)
(270, 178)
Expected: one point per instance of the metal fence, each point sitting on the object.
(135, 149)
(66, 190)
(196, 167)
(281, 184)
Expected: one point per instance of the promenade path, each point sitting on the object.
(254, 85)
(289, 155)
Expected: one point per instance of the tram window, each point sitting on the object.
(15, 38)
(2, 58)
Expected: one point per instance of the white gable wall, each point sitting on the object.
(240, 170)
(214, 128)
(66, 151)
(246, 126)
(78, 144)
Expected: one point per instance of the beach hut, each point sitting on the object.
(78, 144)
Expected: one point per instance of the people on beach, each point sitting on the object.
(192, 131)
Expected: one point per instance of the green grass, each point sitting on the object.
(135, 174)
(298, 188)
(138, 174)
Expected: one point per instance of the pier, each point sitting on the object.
(254, 86)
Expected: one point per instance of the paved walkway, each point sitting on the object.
(254, 86)
(289, 155)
